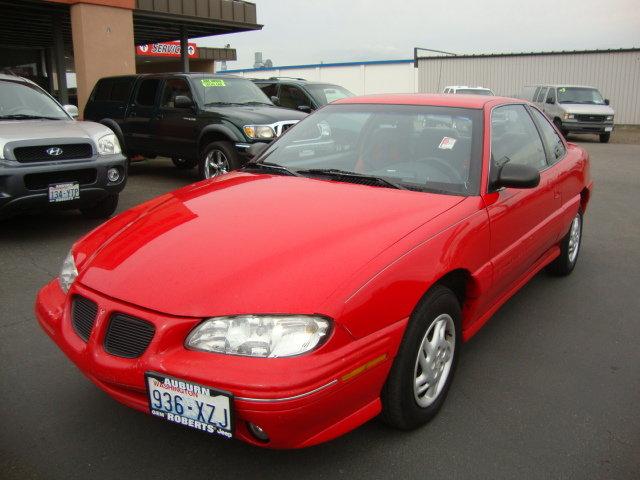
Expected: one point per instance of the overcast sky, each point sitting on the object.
(314, 31)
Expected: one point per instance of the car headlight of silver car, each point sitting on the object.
(260, 335)
(609, 117)
(259, 132)
(108, 145)
(68, 273)
(569, 116)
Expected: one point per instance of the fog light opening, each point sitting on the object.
(113, 174)
(258, 432)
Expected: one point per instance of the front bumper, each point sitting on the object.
(24, 186)
(298, 402)
(576, 126)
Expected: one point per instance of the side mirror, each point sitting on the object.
(256, 149)
(275, 100)
(606, 101)
(305, 108)
(550, 100)
(182, 101)
(517, 176)
(71, 110)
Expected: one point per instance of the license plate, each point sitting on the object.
(608, 129)
(63, 192)
(190, 404)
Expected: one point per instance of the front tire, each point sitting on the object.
(604, 137)
(569, 249)
(423, 369)
(216, 159)
(103, 209)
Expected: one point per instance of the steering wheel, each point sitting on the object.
(445, 168)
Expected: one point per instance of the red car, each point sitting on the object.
(331, 280)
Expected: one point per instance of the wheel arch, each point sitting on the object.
(216, 133)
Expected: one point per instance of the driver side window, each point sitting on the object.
(515, 139)
(292, 97)
(172, 88)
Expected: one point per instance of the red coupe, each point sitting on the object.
(333, 278)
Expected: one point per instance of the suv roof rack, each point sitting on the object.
(290, 78)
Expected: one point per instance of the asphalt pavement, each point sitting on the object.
(549, 388)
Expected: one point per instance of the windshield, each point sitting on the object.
(326, 93)
(229, 91)
(418, 147)
(474, 91)
(24, 101)
(579, 95)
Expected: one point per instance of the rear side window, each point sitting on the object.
(121, 89)
(269, 89)
(515, 139)
(103, 91)
(552, 141)
(147, 90)
(541, 94)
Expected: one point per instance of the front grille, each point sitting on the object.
(46, 153)
(283, 127)
(591, 118)
(127, 336)
(83, 316)
(39, 181)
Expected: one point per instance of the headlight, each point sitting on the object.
(260, 335)
(569, 116)
(68, 273)
(108, 145)
(609, 117)
(259, 132)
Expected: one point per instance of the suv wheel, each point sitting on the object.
(184, 163)
(103, 209)
(216, 159)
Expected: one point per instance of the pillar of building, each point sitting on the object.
(103, 45)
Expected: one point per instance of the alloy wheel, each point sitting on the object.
(215, 164)
(434, 360)
(574, 238)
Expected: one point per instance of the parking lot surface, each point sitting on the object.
(549, 388)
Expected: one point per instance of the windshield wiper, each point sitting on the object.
(346, 174)
(22, 116)
(222, 103)
(255, 102)
(274, 167)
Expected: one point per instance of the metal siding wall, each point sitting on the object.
(616, 74)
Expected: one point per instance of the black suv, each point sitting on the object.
(299, 94)
(194, 118)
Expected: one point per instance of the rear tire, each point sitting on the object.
(184, 163)
(423, 369)
(216, 159)
(569, 249)
(103, 209)
(604, 137)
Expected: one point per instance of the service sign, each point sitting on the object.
(166, 49)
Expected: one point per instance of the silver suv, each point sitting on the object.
(574, 108)
(49, 160)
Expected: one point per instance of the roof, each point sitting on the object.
(438, 100)
(561, 85)
(15, 78)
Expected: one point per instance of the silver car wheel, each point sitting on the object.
(434, 360)
(215, 163)
(574, 238)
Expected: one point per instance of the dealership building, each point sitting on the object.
(67, 45)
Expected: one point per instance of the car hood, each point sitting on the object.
(256, 114)
(247, 243)
(587, 109)
(42, 132)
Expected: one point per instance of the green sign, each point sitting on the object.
(210, 82)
